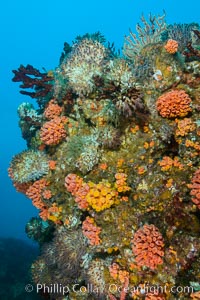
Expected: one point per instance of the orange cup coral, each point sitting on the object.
(52, 110)
(78, 188)
(121, 184)
(34, 192)
(148, 247)
(73, 183)
(116, 273)
(195, 186)
(175, 103)
(184, 126)
(171, 46)
(53, 132)
(91, 231)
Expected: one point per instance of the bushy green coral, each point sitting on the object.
(90, 153)
(29, 166)
(84, 63)
(121, 74)
(81, 153)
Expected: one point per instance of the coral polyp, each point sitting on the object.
(113, 166)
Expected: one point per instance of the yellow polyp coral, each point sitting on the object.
(120, 162)
(98, 196)
(134, 129)
(101, 195)
(54, 213)
(112, 249)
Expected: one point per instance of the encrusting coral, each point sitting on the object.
(112, 164)
(53, 131)
(195, 188)
(175, 103)
(148, 247)
(91, 231)
(34, 192)
(171, 46)
(52, 110)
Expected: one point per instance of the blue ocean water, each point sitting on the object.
(34, 33)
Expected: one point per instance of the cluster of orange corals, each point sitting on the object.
(52, 110)
(120, 183)
(52, 213)
(167, 163)
(75, 185)
(53, 131)
(98, 196)
(91, 231)
(148, 247)
(114, 269)
(184, 126)
(195, 186)
(171, 46)
(175, 103)
(192, 144)
(116, 273)
(141, 170)
(35, 192)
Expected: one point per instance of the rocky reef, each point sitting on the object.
(113, 166)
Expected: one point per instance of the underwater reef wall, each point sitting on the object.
(112, 164)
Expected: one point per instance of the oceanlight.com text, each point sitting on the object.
(56, 288)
